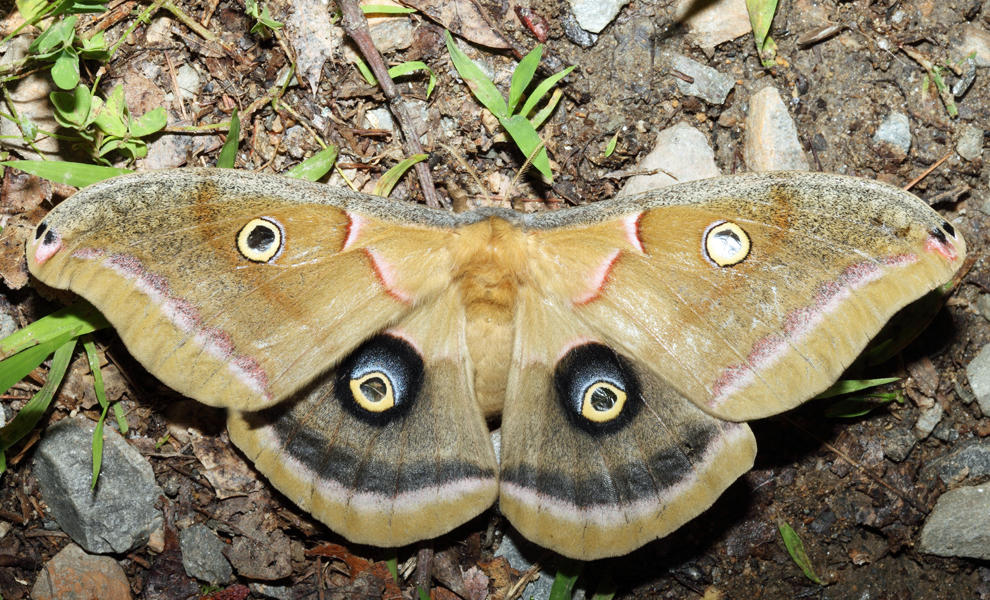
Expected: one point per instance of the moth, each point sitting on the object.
(362, 345)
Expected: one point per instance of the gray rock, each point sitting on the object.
(573, 31)
(895, 131)
(959, 525)
(709, 85)
(970, 142)
(970, 459)
(771, 137)
(202, 555)
(897, 444)
(682, 154)
(540, 587)
(983, 305)
(278, 592)
(120, 513)
(928, 419)
(978, 374)
(594, 15)
(975, 40)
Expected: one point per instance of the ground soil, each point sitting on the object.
(858, 512)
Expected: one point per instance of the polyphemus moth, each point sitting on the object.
(361, 343)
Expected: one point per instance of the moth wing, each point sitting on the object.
(238, 289)
(812, 266)
(390, 477)
(603, 486)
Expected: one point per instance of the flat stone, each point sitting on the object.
(970, 142)
(772, 142)
(978, 374)
(709, 85)
(74, 575)
(983, 305)
(512, 549)
(970, 459)
(595, 15)
(975, 40)
(681, 154)
(928, 419)
(712, 23)
(29, 95)
(897, 444)
(959, 525)
(895, 132)
(120, 513)
(202, 555)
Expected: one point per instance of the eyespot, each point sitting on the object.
(596, 388)
(261, 239)
(949, 228)
(373, 392)
(380, 380)
(725, 244)
(40, 231)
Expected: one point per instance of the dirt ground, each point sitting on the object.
(858, 512)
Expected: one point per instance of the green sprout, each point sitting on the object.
(521, 127)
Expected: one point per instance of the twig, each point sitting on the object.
(927, 172)
(356, 27)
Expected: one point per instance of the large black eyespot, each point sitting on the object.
(597, 388)
(40, 231)
(261, 239)
(949, 228)
(380, 380)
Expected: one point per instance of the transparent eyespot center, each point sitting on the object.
(603, 399)
(726, 244)
(260, 240)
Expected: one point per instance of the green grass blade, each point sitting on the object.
(848, 386)
(857, 406)
(760, 17)
(564, 580)
(365, 71)
(545, 112)
(542, 89)
(523, 76)
(28, 417)
(98, 449)
(228, 154)
(16, 367)
(423, 594)
(78, 319)
(412, 66)
(392, 564)
(795, 547)
(479, 83)
(391, 177)
(315, 166)
(524, 135)
(385, 9)
(70, 173)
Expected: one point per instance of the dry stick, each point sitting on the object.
(356, 27)
(927, 172)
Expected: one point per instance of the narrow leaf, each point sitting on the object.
(391, 177)
(412, 66)
(315, 166)
(542, 89)
(795, 547)
(385, 9)
(16, 367)
(229, 151)
(848, 386)
(31, 413)
(524, 135)
(522, 76)
(77, 319)
(479, 83)
(70, 173)
(760, 17)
